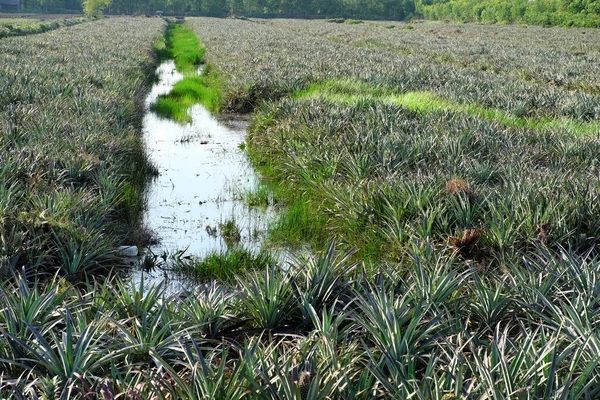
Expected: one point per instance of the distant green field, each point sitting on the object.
(17, 21)
(27, 26)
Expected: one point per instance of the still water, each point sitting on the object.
(203, 173)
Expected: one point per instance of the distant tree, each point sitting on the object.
(236, 7)
(94, 8)
(214, 7)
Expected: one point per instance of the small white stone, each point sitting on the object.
(127, 251)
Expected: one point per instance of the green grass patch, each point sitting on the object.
(341, 90)
(351, 91)
(170, 108)
(429, 102)
(226, 265)
(259, 196)
(186, 50)
(201, 89)
(298, 221)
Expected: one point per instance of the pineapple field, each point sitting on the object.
(435, 186)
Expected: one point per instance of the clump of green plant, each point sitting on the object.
(94, 8)
(202, 89)
(230, 231)
(185, 48)
(225, 265)
(260, 196)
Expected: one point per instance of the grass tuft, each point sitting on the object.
(225, 265)
(185, 48)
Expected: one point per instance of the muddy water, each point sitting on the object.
(202, 175)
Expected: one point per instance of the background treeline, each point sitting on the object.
(392, 9)
(583, 13)
(375, 9)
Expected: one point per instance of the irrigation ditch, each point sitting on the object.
(196, 207)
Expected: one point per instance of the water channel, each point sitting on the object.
(203, 173)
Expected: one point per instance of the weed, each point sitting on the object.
(224, 265)
(230, 232)
(259, 196)
(185, 48)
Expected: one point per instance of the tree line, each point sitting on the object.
(366, 9)
(582, 13)
(393, 9)
(535, 12)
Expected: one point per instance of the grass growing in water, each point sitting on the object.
(185, 49)
(260, 196)
(187, 92)
(297, 221)
(226, 265)
(230, 232)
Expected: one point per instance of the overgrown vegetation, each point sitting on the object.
(226, 265)
(186, 50)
